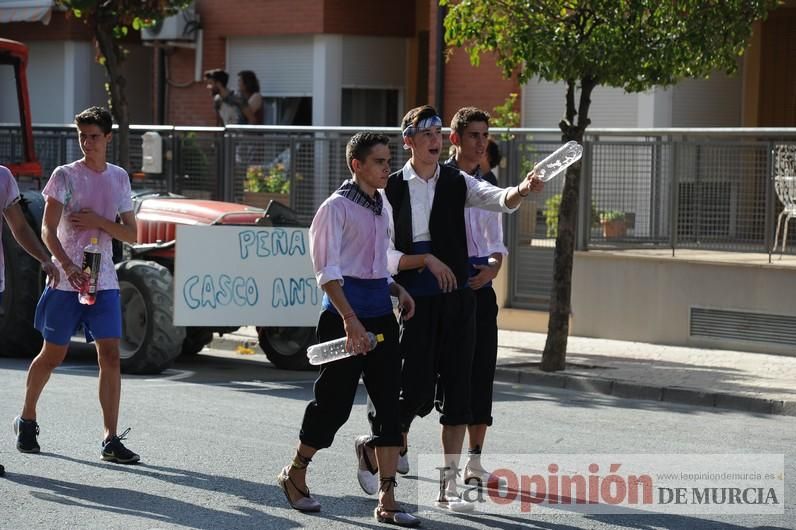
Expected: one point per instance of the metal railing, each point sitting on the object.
(675, 188)
(686, 188)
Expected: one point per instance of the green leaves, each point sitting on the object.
(630, 44)
(124, 14)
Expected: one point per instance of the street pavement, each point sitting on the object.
(725, 379)
(214, 431)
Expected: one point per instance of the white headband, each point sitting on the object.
(428, 123)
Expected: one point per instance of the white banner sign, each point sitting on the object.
(244, 275)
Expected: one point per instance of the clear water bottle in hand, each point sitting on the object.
(91, 265)
(333, 350)
(558, 161)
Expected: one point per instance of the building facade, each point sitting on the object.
(344, 62)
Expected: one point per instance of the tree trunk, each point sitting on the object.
(555, 350)
(116, 84)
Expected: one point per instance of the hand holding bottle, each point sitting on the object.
(75, 276)
(334, 350)
(92, 258)
(357, 341)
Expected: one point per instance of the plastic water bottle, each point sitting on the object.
(91, 265)
(561, 159)
(333, 350)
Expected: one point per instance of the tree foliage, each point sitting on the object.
(629, 44)
(111, 21)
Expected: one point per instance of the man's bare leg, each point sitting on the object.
(49, 358)
(298, 475)
(110, 384)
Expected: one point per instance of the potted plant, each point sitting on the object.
(613, 223)
(262, 185)
(551, 206)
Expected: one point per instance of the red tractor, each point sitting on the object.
(150, 340)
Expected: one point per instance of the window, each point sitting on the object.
(370, 107)
(287, 111)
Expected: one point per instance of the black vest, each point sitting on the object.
(446, 223)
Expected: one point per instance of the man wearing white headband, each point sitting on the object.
(429, 256)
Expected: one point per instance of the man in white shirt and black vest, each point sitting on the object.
(429, 256)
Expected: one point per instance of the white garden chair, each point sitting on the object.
(785, 186)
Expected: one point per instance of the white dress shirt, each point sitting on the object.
(480, 194)
(484, 233)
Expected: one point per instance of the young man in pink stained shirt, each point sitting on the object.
(22, 232)
(349, 239)
(83, 200)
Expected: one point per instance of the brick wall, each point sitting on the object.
(231, 18)
(236, 18)
(188, 102)
(465, 85)
(483, 86)
(383, 18)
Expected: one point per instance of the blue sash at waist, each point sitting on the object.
(368, 298)
(477, 260)
(419, 282)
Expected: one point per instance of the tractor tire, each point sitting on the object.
(23, 285)
(286, 348)
(196, 338)
(150, 341)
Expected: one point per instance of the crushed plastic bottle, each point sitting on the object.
(91, 266)
(333, 350)
(558, 161)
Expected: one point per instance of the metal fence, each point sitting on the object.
(658, 188)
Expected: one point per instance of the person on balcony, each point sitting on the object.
(226, 103)
(249, 90)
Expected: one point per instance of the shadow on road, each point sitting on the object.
(126, 501)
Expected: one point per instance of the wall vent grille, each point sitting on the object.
(742, 325)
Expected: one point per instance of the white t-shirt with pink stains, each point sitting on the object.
(76, 186)
(9, 195)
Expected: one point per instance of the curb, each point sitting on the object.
(632, 390)
(609, 387)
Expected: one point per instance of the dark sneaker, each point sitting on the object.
(26, 431)
(113, 450)
(2, 470)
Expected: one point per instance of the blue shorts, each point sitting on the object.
(59, 315)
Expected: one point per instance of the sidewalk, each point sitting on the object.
(753, 382)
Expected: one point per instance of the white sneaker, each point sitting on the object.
(482, 478)
(454, 503)
(403, 462)
(366, 471)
